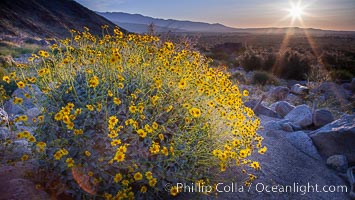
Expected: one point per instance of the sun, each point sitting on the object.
(296, 11)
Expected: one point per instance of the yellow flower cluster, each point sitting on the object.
(60, 153)
(26, 135)
(67, 114)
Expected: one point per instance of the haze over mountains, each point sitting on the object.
(139, 24)
(47, 18)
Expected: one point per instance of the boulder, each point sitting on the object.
(284, 125)
(322, 117)
(34, 91)
(279, 93)
(272, 125)
(337, 138)
(283, 108)
(303, 142)
(334, 91)
(294, 99)
(33, 112)
(299, 89)
(300, 115)
(249, 76)
(4, 133)
(338, 162)
(261, 109)
(13, 109)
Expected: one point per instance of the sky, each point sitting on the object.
(323, 14)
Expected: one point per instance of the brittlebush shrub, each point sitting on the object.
(124, 115)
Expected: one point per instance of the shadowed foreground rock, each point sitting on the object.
(337, 137)
(283, 108)
(322, 117)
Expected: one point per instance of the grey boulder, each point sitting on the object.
(300, 115)
(337, 138)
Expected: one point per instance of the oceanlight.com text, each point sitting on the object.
(232, 187)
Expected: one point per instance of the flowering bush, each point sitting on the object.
(126, 114)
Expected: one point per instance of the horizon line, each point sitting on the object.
(261, 27)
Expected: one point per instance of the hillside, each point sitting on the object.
(43, 18)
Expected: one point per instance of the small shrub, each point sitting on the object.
(263, 77)
(238, 76)
(250, 61)
(124, 115)
(293, 65)
(341, 74)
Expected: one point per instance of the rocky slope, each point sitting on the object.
(43, 18)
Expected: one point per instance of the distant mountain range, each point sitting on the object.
(47, 18)
(139, 24)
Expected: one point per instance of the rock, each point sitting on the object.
(272, 125)
(299, 89)
(261, 109)
(293, 99)
(291, 83)
(284, 125)
(301, 115)
(33, 113)
(352, 84)
(346, 86)
(334, 91)
(337, 138)
(322, 117)
(4, 133)
(249, 76)
(338, 162)
(34, 91)
(4, 118)
(283, 108)
(303, 142)
(19, 149)
(279, 93)
(13, 109)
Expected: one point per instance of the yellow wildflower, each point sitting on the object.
(143, 189)
(70, 162)
(20, 84)
(174, 191)
(118, 178)
(117, 101)
(195, 112)
(141, 133)
(138, 176)
(152, 182)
